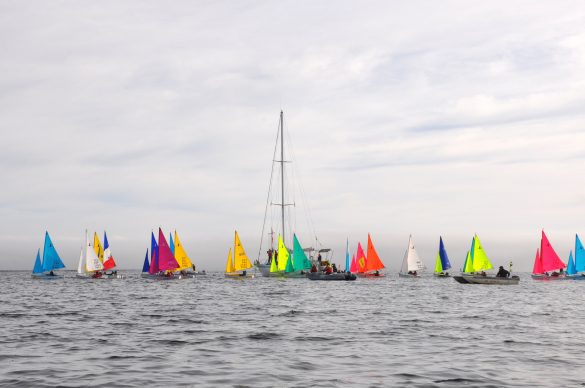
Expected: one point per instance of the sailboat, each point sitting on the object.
(411, 263)
(237, 267)
(476, 263)
(105, 256)
(44, 269)
(90, 266)
(546, 261)
(370, 265)
(281, 261)
(145, 266)
(360, 260)
(442, 263)
(186, 267)
(579, 259)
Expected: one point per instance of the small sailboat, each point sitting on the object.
(579, 259)
(476, 263)
(442, 263)
(360, 260)
(44, 269)
(145, 266)
(152, 269)
(239, 265)
(571, 270)
(90, 266)
(186, 267)
(372, 265)
(411, 263)
(546, 261)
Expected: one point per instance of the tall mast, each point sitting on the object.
(282, 170)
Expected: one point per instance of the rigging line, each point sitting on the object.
(303, 197)
(268, 196)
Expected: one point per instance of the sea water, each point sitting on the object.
(265, 332)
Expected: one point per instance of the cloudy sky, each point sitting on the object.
(418, 117)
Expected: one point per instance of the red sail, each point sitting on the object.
(374, 263)
(166, 259)
(537, 270)
(360, 259)
(549, 259)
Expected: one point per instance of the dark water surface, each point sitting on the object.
(213, 331)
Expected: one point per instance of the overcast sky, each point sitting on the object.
(422, 117)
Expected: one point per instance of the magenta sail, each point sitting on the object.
(166, 259)
(549, 259)
(537, 269)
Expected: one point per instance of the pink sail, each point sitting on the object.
(550, 261)
(537, 270)
(166, 259)
(361, 259)
(353, 267)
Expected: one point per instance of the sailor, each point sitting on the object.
(313, 268)
(502, 273)
(51, 273)
(328, 270)
(377, 273)
(319, 258)
(334, 268)
(244, 272)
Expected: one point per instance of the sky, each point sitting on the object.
(425, 118)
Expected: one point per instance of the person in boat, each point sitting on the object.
(313, 268)
(319, 258)
(269, 253)
(502, 273)
(482, 273)
(413, 273)
(96, 275)
(377, 273)
(554, 274)
(244, 272)
(328, 270)
(51, 273)
(334, 268)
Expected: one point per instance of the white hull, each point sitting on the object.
(407, 275)
(479, 279)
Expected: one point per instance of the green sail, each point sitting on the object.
(468, 266)
(300, 260)
(438, 264)
(480, 259)
(289, 265)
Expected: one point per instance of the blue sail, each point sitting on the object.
(146, 265)
(154, 255)
(171, 244)
(443, 255)
(579, 255)
(38, 268)
(571, 265)
(51, 259)
(347, 256)
(106, 245)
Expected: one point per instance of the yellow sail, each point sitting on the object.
(283, 254)
(229, 266)
(273, 266)
(241, 261)
(468, 266)
(181, 256)
(480, 259)
(97, 247)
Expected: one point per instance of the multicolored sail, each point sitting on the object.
(571, 265)
(241, 260)
(166, 259)
(181, 255)
(347, 262)
(154, 268)
(38, 268)
(172, 243)
(480, 259)
(442, 263)
(299, 258)
(146, 265)
(229, 265)
(549, 258)
(51, 260)
(97, 247)
(283, 255)
(108, 259)
(468, 266)
(579, 255)
(373, 263)
(361, 259)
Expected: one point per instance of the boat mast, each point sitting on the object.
(282, 170)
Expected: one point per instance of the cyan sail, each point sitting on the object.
(51, 259)
(443, 255)
(146, 265)
(300, 260)
(38, 268)
(571, 265)
(579, 255)
(347, 255)
(171, 243)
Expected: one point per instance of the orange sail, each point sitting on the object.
(373, 263)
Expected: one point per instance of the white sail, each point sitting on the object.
(92, 261)
(80, 269)
(411, 261)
